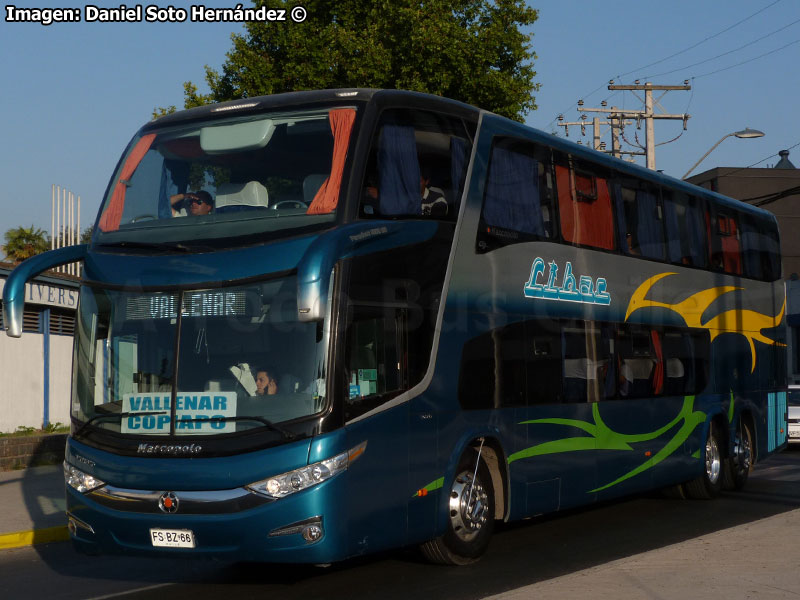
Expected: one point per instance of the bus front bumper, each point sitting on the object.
(232, 525)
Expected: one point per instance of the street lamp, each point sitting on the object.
(744, 133)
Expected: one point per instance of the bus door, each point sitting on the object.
(378, 483)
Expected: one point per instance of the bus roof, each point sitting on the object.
(305, 98)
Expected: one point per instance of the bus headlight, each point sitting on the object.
(288, 483)
(80, 481)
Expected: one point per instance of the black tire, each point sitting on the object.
(708, 484)
(470, 519)
(674, 492)
(737, 467)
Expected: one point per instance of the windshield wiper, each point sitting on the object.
(289, 435)
(120, 416)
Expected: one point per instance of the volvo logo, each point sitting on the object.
(169, 449)
(168, 502)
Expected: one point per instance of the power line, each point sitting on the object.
(724, 53)
(744, 62)
(711, 37)
(618, 77)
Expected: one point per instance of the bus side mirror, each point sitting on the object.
(14, 289)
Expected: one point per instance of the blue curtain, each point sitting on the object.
(622, 227)
(459, 157)
(174, 179)
(398, 171)
(695, 228)
(648, 226)
(674, 251)
(751, 249)
(512, 193)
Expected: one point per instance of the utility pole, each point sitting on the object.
(648, 114)
(615, 124)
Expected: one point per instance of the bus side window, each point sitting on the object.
(637, 362)
(760, 248)
(492, 372)
(584, 204)
(515, 365)
(543, 364)
(416, 166)
(585, 363)
(686, 243)
(639, 219)
(724, 246)
(373, 359)
(518, 198)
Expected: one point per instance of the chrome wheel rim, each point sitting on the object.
(744, 452)
(469, 507)
(713, 462)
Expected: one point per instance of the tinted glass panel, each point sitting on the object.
(416, 166)
(584, 204)
(686, 235)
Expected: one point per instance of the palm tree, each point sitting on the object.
(24, 242)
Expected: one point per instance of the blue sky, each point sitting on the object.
(74, 93)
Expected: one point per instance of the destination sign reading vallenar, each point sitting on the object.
(195, 304)
(194, 413)
(583, 289)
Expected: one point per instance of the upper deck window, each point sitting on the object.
(229, 177)
(584, 203)
(518, 201)
(723, 239)
(416, 166)
(639, 219)
(686, 237)
(760, 248)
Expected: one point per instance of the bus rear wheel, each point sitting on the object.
(709, 483)
(737, 467)
(470, 518)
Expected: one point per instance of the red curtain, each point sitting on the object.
(584, 222)
(658, 373)
(327, 196)
(113, 213)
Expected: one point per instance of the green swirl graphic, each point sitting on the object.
(604, 438)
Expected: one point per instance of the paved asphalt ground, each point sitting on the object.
(32, 506)
(742, 546)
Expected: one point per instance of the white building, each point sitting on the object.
(35, 370)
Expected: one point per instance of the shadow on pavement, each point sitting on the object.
(520, 554)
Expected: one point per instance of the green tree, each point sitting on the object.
(24, 242)
(476, 51)
(86, 235)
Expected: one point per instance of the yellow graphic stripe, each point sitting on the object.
(745, 322)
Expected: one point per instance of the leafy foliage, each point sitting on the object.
(24, 242)
(86, 235)
(475, 51)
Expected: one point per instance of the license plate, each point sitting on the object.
(172, 538)
(794, 433)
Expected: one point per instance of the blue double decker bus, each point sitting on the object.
(321, 324)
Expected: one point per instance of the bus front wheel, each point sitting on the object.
(470, 518)
(708, 484)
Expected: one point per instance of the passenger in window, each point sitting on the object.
(434, 203)
(266, 385)
(192, 203)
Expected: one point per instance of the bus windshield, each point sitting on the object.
(243, 360)
(227, 178)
